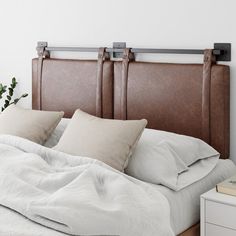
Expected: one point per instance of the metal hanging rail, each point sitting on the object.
(222, 51)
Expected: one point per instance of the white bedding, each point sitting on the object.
(14, 224)
(158, 155)
(185, 204)
(74, 195)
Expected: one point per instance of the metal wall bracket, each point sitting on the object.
(41, 49)
(225, 49)
(118, 45)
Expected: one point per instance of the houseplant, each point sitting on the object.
(8, 91)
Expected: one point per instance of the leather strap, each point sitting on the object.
(102, 56)
(209, 59)
(127, 56)
(39, 82)
(41, 55)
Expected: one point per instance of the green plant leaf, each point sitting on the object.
(14, 83)
(3, 88)
(13, 80)
(10, 88)
(6, 103)
(11, 91)
(16, 100)
(25, 95)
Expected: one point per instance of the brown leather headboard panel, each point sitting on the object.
(170, 97)
(67, 85)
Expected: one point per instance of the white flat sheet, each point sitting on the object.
(185, 204)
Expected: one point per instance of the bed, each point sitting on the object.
(188, 99)
(172, 97)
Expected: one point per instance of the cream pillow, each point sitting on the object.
(29, 124)
(110, 141)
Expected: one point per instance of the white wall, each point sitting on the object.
(141, 23)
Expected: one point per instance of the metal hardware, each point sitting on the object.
(221, 50)
(41, 49)
(225, 49)
(118, 45)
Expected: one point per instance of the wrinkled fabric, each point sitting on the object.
(77, 195)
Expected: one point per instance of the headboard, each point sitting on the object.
(67, 85)
(171, 97)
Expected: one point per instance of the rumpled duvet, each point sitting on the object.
(77, 195)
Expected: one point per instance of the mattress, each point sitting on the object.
(184, 204)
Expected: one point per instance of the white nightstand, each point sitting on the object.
(218, 214)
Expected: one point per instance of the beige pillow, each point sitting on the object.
(29, 124)
(110, 141)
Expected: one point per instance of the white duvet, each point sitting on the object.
(77, 195)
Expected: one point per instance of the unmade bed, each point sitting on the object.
(185, 99)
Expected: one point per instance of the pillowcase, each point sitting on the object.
(29, 124)
(188, 149)
(110, 141)
(57, 133)
(161, 156)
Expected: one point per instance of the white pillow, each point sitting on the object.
(57, 133)
(161, 156)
